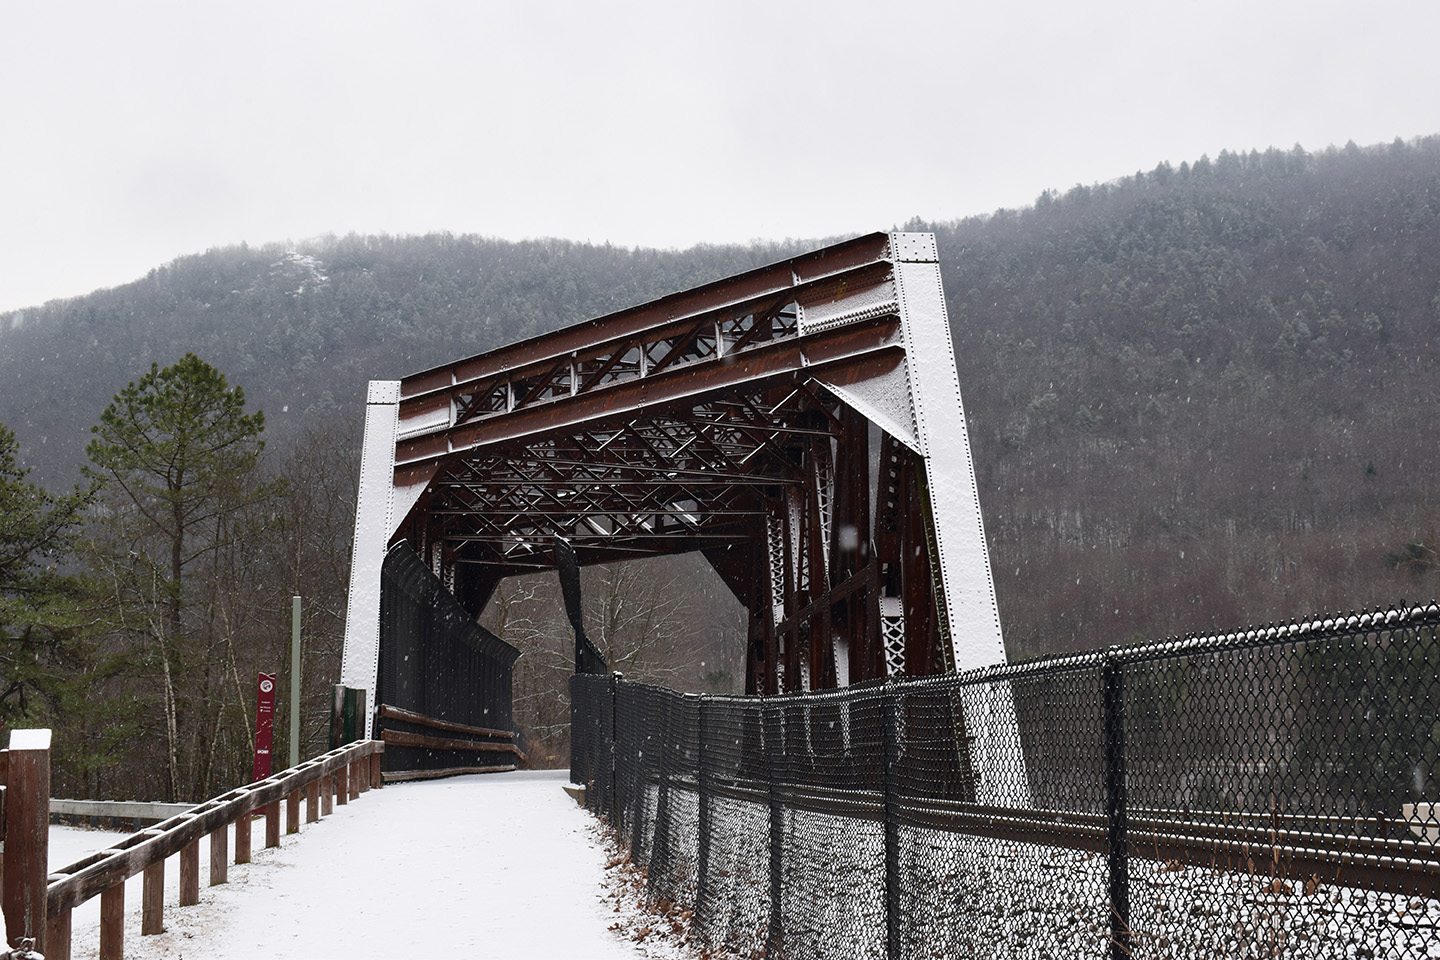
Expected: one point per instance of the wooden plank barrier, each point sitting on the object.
(112, 812)
(38, 905)
(465, 739)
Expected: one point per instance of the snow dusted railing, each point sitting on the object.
(138, 812)
(38, 906)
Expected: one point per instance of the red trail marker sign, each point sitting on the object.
(264, 725)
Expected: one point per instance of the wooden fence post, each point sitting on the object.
(242, 839)
(27, 836)
(219, 855)
(292, 811)
(152, 899)
(272, 824)
(4, 780)
(312, 801)
(327, 795)
(112, 922)
(57, 936)
(377, 779)
(342, 784)
(190, 873)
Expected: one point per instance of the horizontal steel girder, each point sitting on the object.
(841, 356)
(835, 309)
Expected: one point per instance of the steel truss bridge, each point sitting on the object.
(800, 425)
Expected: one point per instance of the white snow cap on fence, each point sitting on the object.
(30, 739)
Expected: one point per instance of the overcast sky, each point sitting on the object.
(134, 133)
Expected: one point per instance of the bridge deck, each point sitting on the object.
(501, 866)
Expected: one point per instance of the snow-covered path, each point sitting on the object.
(503, 865)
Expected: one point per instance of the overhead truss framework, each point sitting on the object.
(799, 424)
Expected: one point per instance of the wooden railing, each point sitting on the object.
(113, 814)
(38, 905)
(494, 750)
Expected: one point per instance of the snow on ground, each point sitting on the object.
(507, 866)
(499, 865)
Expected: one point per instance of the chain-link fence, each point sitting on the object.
(1257, 794)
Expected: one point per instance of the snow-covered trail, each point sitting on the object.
(502, 865)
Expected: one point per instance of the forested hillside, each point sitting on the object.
(1206, 396)
(1200, 397)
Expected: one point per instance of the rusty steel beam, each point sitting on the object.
(659, 316)
(846, 353)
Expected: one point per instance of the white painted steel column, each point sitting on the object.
(966, 588)
(374, 523)
(962, 560)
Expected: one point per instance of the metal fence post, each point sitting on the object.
(1112, 679)
(641, 754)
(771, 740)
(612, 806)
(889, 768)
(702, 818)
(672, 742)
(581, 719)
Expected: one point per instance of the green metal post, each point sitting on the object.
(295, 757)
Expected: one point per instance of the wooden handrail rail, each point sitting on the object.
(388, 712)
(116, 809)
(344, 772)
(401, 738)
(77, 882)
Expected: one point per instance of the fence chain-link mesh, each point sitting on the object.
(1266, 793)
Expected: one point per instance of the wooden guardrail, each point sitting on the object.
(483, 743)
(38, 905)
(113, 813)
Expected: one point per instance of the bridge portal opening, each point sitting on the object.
(664, 620)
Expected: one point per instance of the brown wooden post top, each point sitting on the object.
(27, 836)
